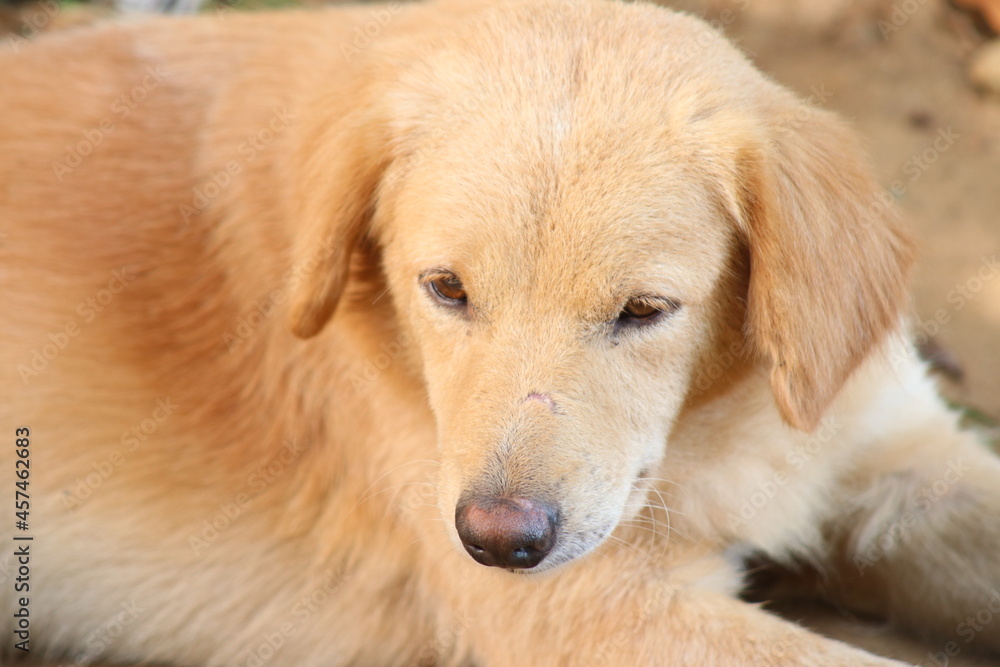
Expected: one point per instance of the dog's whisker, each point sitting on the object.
(664, 485)
(387, 473)
(628, 546)
(393, 488)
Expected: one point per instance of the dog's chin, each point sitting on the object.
(571, 549)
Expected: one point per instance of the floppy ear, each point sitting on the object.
(343, 162)
(829, 260)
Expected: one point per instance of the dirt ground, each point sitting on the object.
(898, 70)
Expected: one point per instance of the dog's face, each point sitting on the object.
(558, 316)
(569, 247)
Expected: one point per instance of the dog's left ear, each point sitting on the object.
(829, 259)
(343, 164)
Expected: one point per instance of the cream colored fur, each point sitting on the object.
(210, 489)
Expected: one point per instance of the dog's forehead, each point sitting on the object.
(555, 191)
(610, 224)
(604, 64)
(597, 139)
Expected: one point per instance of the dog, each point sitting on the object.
(462, 333)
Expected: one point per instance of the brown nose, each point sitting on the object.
(515, 533)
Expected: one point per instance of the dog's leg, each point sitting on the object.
(617, 607)
(919, 541)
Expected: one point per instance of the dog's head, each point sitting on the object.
(576, 207)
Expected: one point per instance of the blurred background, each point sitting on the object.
(919, 79)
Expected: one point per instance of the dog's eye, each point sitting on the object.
(447, 288)
(640, 310)
(645, 310)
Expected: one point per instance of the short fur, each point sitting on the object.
(180, 196)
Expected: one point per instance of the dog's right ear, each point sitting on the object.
(343, 163)
(828, 259)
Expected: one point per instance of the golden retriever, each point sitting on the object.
(494, 334)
